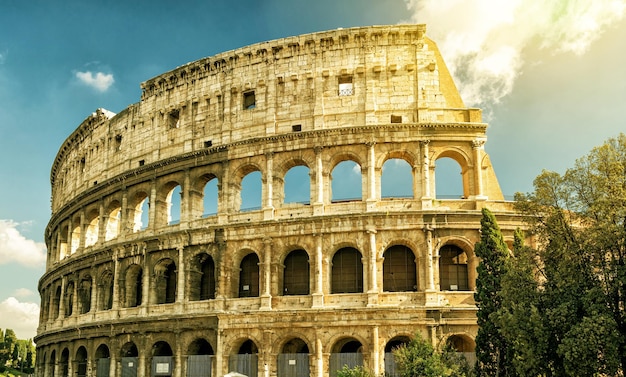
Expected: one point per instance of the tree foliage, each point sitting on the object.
(575, 313)
(419, 358)
(492, 352)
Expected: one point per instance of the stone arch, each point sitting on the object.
(344, 175)
(129, 349)
(133, 286)
(200, 346)
(463, 344)
(296, 273)
(92, 219)
(204, 195)
(464, 163)
(113, 220)
(347, 271)
(64, 362)
(169, 202)
(53, 362)
(139, 206)
(69, 298)
(399, 269)
(200, 358)
(202, 277)
(293, 358)
(454, 268)
(55, 303)
(237, 185)
(102, 358)
(390, 362)
(348, 351)
(163, 290)
(249, 276)
(105, 290)
(80, 362)
(245, 360)
(297, 185)
(64, 249)
(397, 179)
(85, 290)
(76, 235)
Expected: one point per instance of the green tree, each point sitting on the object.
(357, 371)
(579, 222)
(492, 352)
(418, 358)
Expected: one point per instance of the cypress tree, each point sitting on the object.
(491, 349)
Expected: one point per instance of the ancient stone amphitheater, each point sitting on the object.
(272, 211)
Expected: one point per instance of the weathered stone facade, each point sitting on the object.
(283, 288)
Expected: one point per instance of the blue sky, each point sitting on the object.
(550, 78)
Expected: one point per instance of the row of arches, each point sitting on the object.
(208, 275)
(295, 357)
(184, 198)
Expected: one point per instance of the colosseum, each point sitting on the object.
(271, 211)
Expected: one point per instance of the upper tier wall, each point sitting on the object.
(344, 78)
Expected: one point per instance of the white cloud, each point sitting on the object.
(99, 81)
(22, 317)
(3, 56)
(23, 292)
(15, 248)
(484, 41)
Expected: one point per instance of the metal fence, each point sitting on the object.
(129, 367)
(199, 365)
(293, 365)
(244, 363)
(339, 360)
(102, 367)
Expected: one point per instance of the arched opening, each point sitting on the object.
(296, 273)
(130, 357)
(298, 185)
(165, 279)
(81, 362)
(91, 233)
(209, 197)
(133, 286)
(346, 352)
(399, 270)
(173, 202)
(396, 179)
(391, 368)
(105, 291)
(141, 212)
(200, 359)
(448, 179)
(64, 362)
(453, 269)
(53, 363)
(251, 188)
(162, 359)
(347, 271)
(463, 345)
(56, 301)
(63, 247)
(346, 182)
(113, 221)
(249, 276)
(246, 359)
(293, 360)
(202, 278)
(103, 361)
(69, 299)
(84, 295)
(75, 242)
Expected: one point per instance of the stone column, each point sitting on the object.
(218, 354)
(372, 293)
(266, 296)
(478, 147)
(116, 281)
(426, 194)
(186, 209)
(432, 298)
(318, 295)
(124, 226)
(94, 293)
(152, 206)
(62, 298)
(318, 204)
(319, 352)
(83, 230)
(180, 277)
(371, 176)
(101, 222)
(375, 352)
(268, 210)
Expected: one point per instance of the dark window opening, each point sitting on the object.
(173, 119)
(296, 128)
(118, 142)
(396, 119)
(453, 269)
(249, 100)
(249, 276)
(296, 273)
(142, 162)
(208, 143)
(399, 270)
(347, 271)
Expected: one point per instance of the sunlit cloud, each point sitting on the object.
(99, 81)
(484, 41)
(21, 317)
(15, 248)
(23, 292)
(3, 56)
